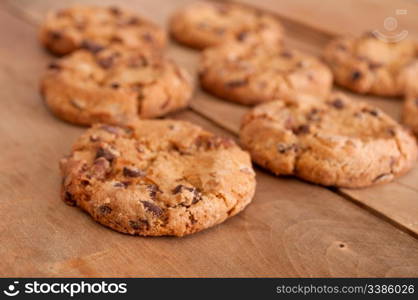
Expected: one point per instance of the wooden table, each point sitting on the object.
(291, 229)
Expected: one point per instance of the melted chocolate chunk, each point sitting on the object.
(337, 103)
(139, 224)
(105, 210)
(54, 66)
(91, 46)
(356, 75)
(154, 209)
(106, 62)
(302, 129)
(236, 83)
(242, 36)
(106, 154)
(132, 172)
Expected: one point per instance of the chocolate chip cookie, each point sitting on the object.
(208, 23)
(369, 65)
(114, 85)
(157, 177)
(254, 73)
(95, 27)
(338, 142)
(410, 113)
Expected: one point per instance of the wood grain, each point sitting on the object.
(292, 228)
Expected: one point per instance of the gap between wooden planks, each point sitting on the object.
(396, 201)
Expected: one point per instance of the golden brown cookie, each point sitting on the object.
(254, 73)
(208, 23)
(410, 113)
(369, 65)
(95, 27)
(157, 177)
(114, 85)
(339, 142)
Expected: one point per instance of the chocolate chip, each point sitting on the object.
(55, 35)
(286, 54)
(284, 148)
(137, 62)
(106, 154)
(180, 187)
(115, 10)
(337, 103)
(110, 129)
(106, 62)
(356, 75)
(236, 83)
(153, 189)
(100, 168)
(416, 102)
(139, 224)
(213, 142)
(302, 129)
(68, 198)
(121, 184)
(85, 182)
(242, 36)
(197, 196)
(154, 209)
(91, 46)
(372, 112)
(313, 115)
(133, 21)
(54, 66)
(391, 131)
(373, 65)
(114, 85)
(105, 210)
(132, 172)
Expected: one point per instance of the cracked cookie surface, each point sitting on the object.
(368, 65)
(114, 85)
(204, 24)
(335, 143)
(157, 177)
(252, 73)
(69, 29)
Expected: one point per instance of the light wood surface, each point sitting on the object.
(292, 228)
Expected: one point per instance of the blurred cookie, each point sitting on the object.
(206, 23)
(334, 143)
(252, 74)
(368, 65)
(410, 113)
(95, 27)
(157, 177)
(114, 85)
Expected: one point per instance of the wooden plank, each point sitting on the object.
(283, 232)
(346, 16)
